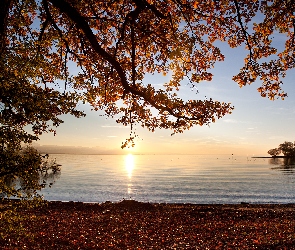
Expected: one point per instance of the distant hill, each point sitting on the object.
(55, 149)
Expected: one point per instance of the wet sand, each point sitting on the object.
(134, 225)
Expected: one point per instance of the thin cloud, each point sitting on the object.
(230, 121)
(112, 126)
(275, 137)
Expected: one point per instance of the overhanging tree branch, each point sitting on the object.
(82, 24)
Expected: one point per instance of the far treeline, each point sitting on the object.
(286, 148)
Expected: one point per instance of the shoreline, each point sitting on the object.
(130, 224)
(243, 203)
(275, 157)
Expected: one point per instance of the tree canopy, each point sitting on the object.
(23, 171)
(287, 149)
(55, 53)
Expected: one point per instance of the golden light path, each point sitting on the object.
(129, 166)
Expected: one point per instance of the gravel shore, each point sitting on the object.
(134, 225)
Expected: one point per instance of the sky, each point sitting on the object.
(256, 125)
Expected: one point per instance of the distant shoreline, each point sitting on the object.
(272, 157)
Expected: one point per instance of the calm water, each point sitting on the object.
(172, 179)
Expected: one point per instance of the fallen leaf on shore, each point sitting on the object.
(131, 224)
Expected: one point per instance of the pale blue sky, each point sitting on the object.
(256, 124)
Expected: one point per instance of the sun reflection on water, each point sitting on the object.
(129, 189)
(129, 164)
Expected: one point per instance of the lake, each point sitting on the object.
(202, 179)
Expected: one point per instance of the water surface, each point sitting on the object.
(172, 179)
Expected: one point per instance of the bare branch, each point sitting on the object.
(246, 34)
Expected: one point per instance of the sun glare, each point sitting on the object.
(129, 164)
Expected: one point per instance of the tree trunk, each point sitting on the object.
(4, 11)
